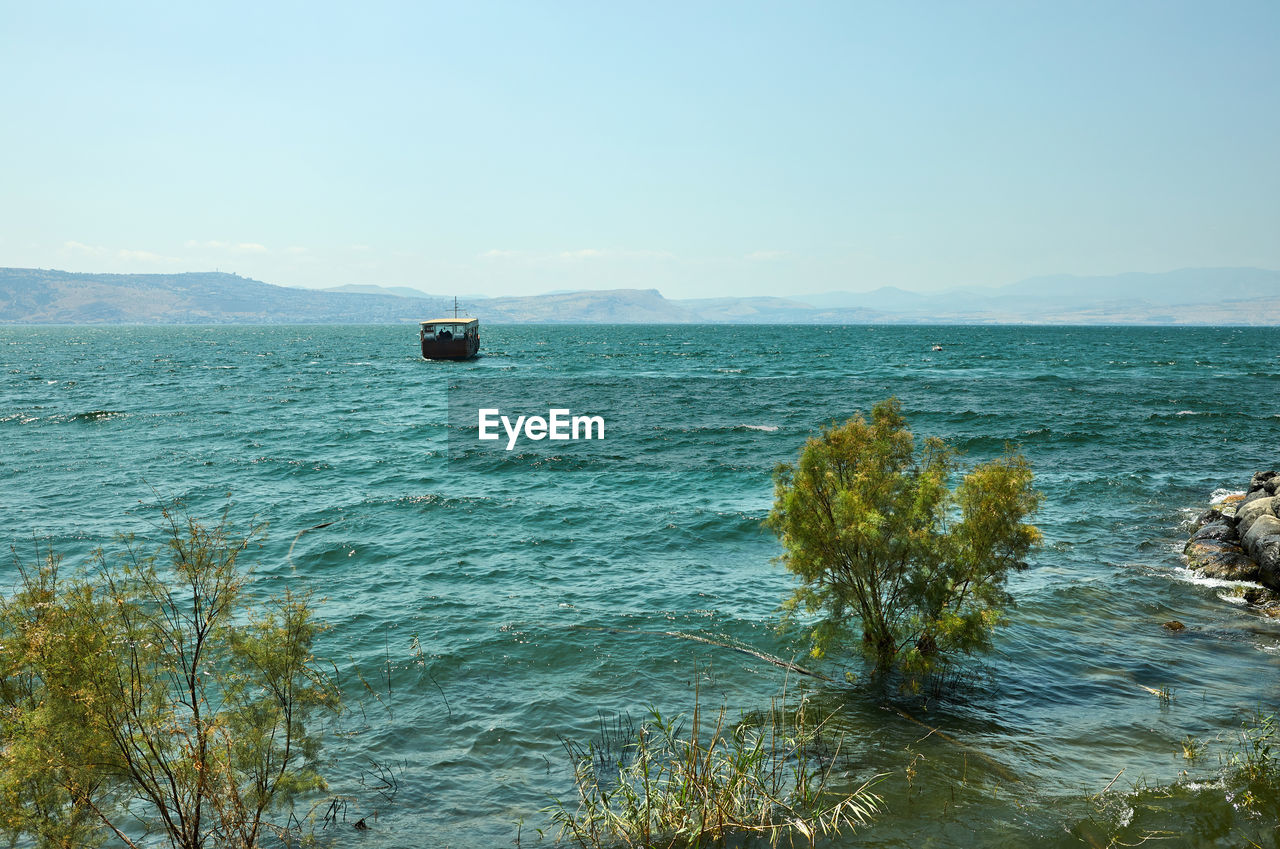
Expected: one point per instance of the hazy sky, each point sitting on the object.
(700, 148)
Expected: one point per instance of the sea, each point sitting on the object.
(488, 602)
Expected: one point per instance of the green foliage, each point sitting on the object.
(149, 694)
(682, 785)
(1255, 765)
(876, 537)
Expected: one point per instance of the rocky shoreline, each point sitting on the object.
(1238, 538)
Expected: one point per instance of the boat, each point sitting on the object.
(450, 338)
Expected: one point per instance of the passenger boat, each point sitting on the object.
(450, 338)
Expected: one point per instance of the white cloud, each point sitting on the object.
(125, 254)
(233, 247)
(578, 255)
(145, 257)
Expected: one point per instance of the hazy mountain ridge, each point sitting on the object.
(39, 296)
(1242, 296)
(610, 306)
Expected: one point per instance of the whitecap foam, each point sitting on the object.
(1219, 495)
(765, 428)
(1182, 573)
(1197, 786)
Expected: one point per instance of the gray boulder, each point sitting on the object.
(1261, 528)
(1250, 511)
(1264, 480)
(1268, 559)
(1256, 495)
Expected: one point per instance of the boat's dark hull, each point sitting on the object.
(460, 348)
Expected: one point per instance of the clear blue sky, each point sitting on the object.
(700, 148)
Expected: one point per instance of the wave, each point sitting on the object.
(96, 416)
(1188, 576)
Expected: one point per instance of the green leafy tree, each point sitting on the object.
(888, 554)
(149, 695)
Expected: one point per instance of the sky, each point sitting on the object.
(703, 149)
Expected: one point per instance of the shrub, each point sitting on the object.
(678, 784)
(877, 539)
(148, 694)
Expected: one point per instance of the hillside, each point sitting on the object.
(37, 296)
(611, 306)
(1232, 296)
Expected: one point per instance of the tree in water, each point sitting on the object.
(888, 554)
(150, 694)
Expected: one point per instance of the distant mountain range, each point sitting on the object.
(1191, 296)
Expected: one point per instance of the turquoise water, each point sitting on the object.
(505, 565)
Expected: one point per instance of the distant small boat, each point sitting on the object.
(450, 338)
(937, 347)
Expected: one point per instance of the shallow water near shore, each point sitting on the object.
(540, 582)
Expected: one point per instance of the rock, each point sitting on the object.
(1174, 625)
(1249, 512)
(1203, 549)
(1238, 539)
(1229, 505)
(1208, 517)
(1265, 601)
(1256, 595)
(1268, 558)
(1256, 495)
(1263, 526)
(1219, 530)
(1231, 566)
(1261, 479)
(1217, 559)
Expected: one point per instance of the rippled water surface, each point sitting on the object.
(539, 581)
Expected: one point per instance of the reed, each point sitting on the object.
(1255, 765)
(683, 782)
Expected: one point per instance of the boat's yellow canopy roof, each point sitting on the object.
(452, 321)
